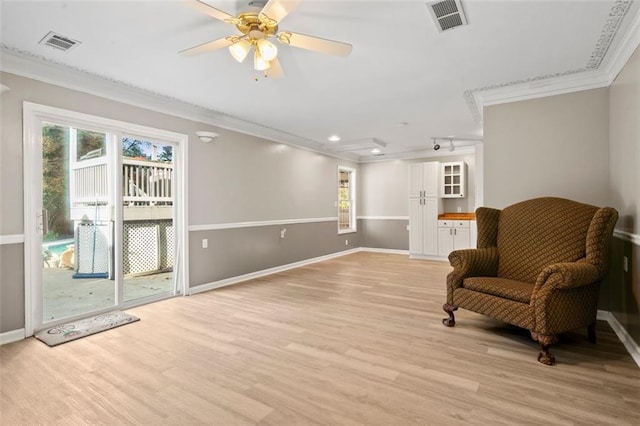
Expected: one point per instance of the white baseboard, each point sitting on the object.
(388, 251)
(427, 257)
(12, 336)
(630, 345)
(265, 272)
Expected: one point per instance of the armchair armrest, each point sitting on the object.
(482, 262)
(562, 298)
(564, 276)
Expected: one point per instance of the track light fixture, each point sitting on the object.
(451, 145)
(436, 146)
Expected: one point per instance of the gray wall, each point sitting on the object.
(384, 234)
(584, 146)
(11, 287)
(240, 178)
(236, 178)
(553, 146)
(624, 191)
(240, 251)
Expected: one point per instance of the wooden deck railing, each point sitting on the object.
(147, 182)
(144, 183)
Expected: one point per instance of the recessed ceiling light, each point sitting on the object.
(334, 138)
(402, 124)
(375, 151)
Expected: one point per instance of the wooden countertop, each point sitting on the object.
(457, 216)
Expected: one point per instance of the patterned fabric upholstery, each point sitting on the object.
(501, 287)
(487, 220)
(560, 236)
(470, 263)
(538, 264)
(516, 313)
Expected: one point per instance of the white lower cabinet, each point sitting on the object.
(453, 235)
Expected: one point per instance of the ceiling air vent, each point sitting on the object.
(58, 41)
(448, 14)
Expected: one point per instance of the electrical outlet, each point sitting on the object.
(346, 242)
(459, 209)
(205, 243)
(625, 263)
(283, 232)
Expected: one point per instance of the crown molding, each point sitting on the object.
(412, 155)
(572, 81)
(27, 65)
(625, 49)
(601, 69)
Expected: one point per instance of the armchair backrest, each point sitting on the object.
(534, 234)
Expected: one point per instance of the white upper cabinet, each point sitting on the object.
(416, 173)
(423, 179)
(453, 180)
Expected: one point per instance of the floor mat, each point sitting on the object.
(81, 328)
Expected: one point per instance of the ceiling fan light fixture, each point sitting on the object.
(240, 50)
(259, 63)
(268, 50)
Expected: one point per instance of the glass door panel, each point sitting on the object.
(77, 275)
(148, 219)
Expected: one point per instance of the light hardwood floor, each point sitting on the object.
(354, 340)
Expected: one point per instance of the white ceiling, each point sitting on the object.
(401, 70)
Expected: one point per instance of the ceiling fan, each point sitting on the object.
(257, 23)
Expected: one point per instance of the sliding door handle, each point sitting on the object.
(43, 222)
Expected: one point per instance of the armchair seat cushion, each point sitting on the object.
(517, 291)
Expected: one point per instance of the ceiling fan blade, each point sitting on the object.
(209, 10)
(208, 46)
(275, 70)
(276, 10)
(316, 44)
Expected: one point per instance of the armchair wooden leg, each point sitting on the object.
(451, 321)
(591, 332)
(545, 340)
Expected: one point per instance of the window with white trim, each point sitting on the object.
(346, 200)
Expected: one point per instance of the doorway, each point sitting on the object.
(105, 212)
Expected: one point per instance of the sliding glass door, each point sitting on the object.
(103, 224)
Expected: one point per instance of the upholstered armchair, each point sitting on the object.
(537, 265)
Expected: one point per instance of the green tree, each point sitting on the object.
(55, 179)
(90, 141)
(133, 148)
(166, 154)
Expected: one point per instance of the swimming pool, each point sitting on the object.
(57, 247)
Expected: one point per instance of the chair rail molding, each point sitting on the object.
(11, 239)
(234, 225)
(627, 236)
(382, 217)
